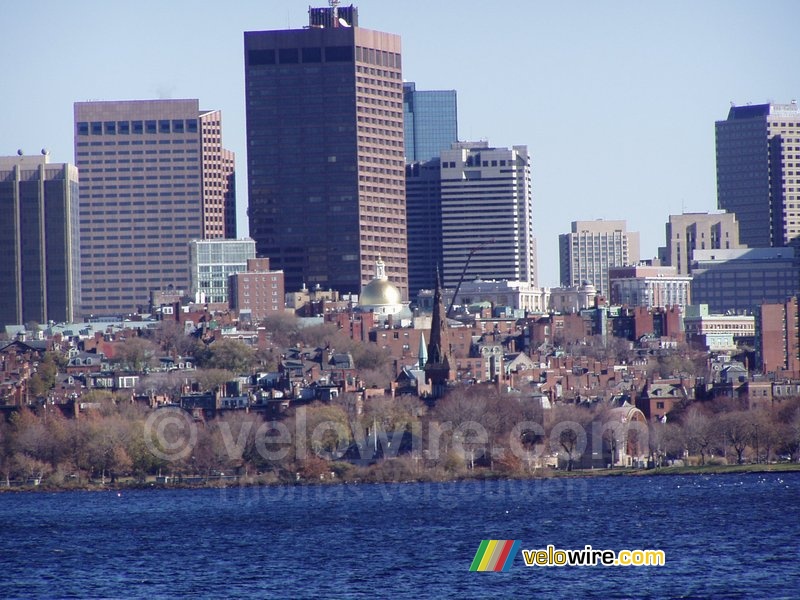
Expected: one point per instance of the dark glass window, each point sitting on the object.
(339, 54)
(97, 128)
(288, 56)
(83, 128)
(312, 55)
(123, 127)
(191, 125)
(138, 126)
(163, 126)
(261, 57)
(177, 126)
(111, 127)
(150, 126)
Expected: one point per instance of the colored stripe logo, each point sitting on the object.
(495, 555)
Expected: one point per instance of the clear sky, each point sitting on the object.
(616, 101)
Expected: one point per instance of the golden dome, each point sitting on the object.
(379, 292)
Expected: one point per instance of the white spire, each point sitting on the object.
(380, 269)
(423, 352)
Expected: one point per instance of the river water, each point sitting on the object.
(724, 536)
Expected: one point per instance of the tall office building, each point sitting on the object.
(38, 240)
(587, 252)
(325, 151)
(697, 231)
(424, 222)
(154, 176)
(487, 214)
(758, 172)
(430, 122)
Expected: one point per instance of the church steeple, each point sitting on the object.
(438, 369)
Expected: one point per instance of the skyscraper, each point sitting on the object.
(758, 172)
(430, 122)
(424, 223)
(325, 151)
(154, 176)
(38, 240)
(487, 213)
(586, 253)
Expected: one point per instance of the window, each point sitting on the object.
(150, 126)
(123, 127)
(83, 128)
(163, 126)
(177, 126)
(137, 126)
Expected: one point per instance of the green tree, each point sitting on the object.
(227, 354)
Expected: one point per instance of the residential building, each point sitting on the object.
(758, 172)
(503, 295)
(430, 122)
(153, 177)
(424, 223)
(649, 286)
(39, 240)
(213, 262)
(717, 332)
(572, 299)
(487, 214)
(697, 231)
(257, 292)
(587, 252)
(741, 280)
(325, 156)
(778, 338)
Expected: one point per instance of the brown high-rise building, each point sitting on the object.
(325, 155)
(153, 176)
(778, 338)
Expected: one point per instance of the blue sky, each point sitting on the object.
(616, 101)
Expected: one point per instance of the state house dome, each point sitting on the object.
(379, 292)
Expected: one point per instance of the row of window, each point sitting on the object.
(137, 127)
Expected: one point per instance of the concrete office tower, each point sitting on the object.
(697, 231)
(39, 240)
(153, 177)
(430, 122)
(424, 221)
(212, 262)
(586, 253)
(325, 151)
(487, 214)
(758, 172)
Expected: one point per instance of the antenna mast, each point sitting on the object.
(334, 4)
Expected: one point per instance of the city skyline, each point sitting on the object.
(634, 102)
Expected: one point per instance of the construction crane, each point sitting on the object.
(463, 274)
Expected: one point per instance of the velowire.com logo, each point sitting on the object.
(495, 555)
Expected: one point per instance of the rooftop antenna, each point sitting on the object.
(335, 10)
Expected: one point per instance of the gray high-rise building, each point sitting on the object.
(39, 240)
(587, 252)
(430, 122)
(758, 172)
(697, 231)
(325, 151)
(487, 214)
(154, 176)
